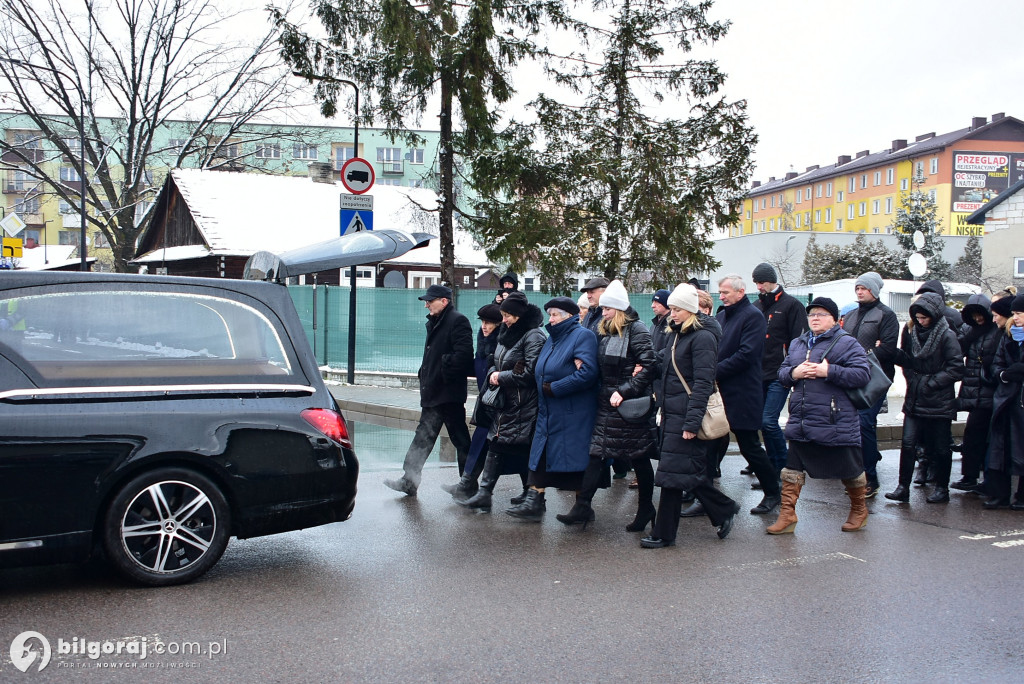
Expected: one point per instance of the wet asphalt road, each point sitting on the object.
(420, 590)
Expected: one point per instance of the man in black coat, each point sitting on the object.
(877, 329)
(786, 320)
(740, 381)
(594, 288)
(659, 324)
(447, 362)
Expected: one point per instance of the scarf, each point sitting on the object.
(928, 347)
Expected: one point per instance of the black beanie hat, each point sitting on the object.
(490, 313)
(764, 273)
(516, 304)
(823, 303)
(1003, 307)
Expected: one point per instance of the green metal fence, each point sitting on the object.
(390, 328)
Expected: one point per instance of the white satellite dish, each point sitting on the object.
(918, 239)
(917, 264)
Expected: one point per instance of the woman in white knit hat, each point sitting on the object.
(623, 344)
(691, 354)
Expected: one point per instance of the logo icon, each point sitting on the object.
(24, 651)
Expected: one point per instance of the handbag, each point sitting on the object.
(635, 410)
(878, 384)
(715, 423)
(493, 398)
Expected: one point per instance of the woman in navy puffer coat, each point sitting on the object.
(823, 428)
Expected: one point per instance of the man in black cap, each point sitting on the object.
(593, 289)
(447, 362)
(659, 305)
(786, 320)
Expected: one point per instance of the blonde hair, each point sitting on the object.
(690, 322)
(614, 326)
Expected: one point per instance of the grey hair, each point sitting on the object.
(735, 282)
(561, 312)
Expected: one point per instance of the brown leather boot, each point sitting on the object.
(787, 520)
(858, 518)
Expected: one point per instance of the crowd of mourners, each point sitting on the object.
(603, 393)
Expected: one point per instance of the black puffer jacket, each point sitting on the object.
(932, 362)
(617, 356)
(515, 359)
(682, 461)
(951, 315)
(979, 345)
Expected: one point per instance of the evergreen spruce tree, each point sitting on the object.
(601, 184)
(918, 211)
(967, 268)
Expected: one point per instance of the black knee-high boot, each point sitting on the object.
(645, 510)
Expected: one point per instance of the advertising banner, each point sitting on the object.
(980, 176)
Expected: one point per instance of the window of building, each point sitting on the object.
(780, 199)
(931, 194)
(863, 181)
(839, 196)
(529, 284)
(390, 159)
(342, 154)
(863, 208)
(828, 216)
(26, 205)
(851, 211)
(748, 214)
(361, 272)
(820, 189)
(771, 224)
(807, 218)
(764, 203)
(396, 182)
(933, 166)
(798, 220)
(1018, 267)
(268, 151)
(919, 168)
(817, 215)
(755, 207)
(26, 140)
(904, 183)
(416, 155)
(876, 206)
(799, 197)
(828, 189)
(762, 225)
(66, 208)
(415, 182)
(773, 200)
(176, 144)
(852, 184)
(878, 177)
(68, 174)
(100, 241)
(807, 193)
(888, 205)
(303, 151)
(68, 237)
(18, 181)
(890, 174)
(839, 224)
(876, 230)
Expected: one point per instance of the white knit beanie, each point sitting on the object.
(615, 296)
(685, 297)
(583, 302)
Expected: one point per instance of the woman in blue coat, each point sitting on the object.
(823, 428)
(567, 378)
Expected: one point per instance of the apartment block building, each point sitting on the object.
(860, 193)
(261, 148)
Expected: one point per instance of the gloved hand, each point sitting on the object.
(547, 389)
(1015, 373)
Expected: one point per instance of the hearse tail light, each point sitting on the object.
(330, 423)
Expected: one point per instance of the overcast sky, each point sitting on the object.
(829, 77)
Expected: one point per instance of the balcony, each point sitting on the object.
(392, 168)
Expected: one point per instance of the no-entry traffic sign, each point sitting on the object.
(357, 175)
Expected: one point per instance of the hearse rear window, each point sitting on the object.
(134, 337)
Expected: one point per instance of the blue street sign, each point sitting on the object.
(353, 221)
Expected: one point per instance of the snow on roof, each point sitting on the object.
(241, 213)
(174, 254)
(43, 258)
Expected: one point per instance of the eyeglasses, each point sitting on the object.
(818, 315)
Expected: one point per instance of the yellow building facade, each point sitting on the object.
(962, 170)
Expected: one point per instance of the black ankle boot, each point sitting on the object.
(938, 495)
(901, 494)
(532, 509)
(488, 478)
(463, 489)
(579, 513)
(643, 518)
(516, 500)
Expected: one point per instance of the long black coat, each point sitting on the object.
(515, 360)
(931, 376)
(682, 461)
(979, 344)
(659, 336)
(1006, 452)
(447, 359)
(617, 356)
(739, 364)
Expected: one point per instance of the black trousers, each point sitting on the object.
(717, 506)
(750, 447)
(934, 434)
(975, 444)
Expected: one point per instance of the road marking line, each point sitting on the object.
(1008, 544)
(792, 562)
(1004, 533)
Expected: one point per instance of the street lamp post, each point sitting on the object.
(84, 266)
(352, 275)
